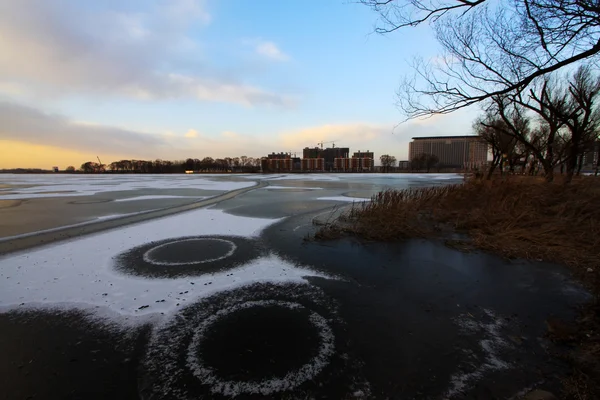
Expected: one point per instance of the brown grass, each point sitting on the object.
(512, 217)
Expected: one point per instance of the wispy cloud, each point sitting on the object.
(271, 51)
(191, 134)
(349, 134)
(25, 124)
(71, 49)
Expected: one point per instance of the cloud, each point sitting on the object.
(270, 50)
(345, 135)
(192, 133)
(230, 135)
(29, 125)
(201, 89)
(76, 48)
(184, 9)
(20, 124)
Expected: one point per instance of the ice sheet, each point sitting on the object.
(292, 187)
(158, 196)
(91, 221)
(355, 177)
(344, 198)
(47, 185)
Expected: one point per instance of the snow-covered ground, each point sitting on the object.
(80, 273)
(50, 185)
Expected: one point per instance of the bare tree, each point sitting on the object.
(236, 163)
(547, 100)
(206, 164)
(597, 150)
(92, 167)
(516, 124)
(424, 161)
(489, 49)
(189, 164)
(582, 117)
(567, 114)
(494, 131)
(431, 160)
(387, 162)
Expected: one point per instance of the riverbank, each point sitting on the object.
(514, 218)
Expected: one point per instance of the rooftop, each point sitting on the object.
(445, 137)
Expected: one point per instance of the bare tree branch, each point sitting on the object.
(489, 49)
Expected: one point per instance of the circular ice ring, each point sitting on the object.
(148, 254)
(267, 386)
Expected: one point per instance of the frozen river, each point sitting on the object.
(181, 287)
(30, 203)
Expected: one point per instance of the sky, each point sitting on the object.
(176, 79)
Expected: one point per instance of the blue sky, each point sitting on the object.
(189, 78)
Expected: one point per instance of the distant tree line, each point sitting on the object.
(207, 164)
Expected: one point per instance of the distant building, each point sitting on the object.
(328, 155)
(278, 156)
(590, 156)
(312, 152)
(296, 163)
(364, 154)
(277, 164)
(284, 163)
(313, 164)
(452, 151)
(353, 164)
(404, 164)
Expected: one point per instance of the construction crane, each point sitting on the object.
(322, 143)
(99, 160)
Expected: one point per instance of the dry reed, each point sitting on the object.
(515, 218)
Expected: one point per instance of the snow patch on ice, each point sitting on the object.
(490, 349)
(166, 361)
(267, 386)
(149, 259)
(81, 270)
